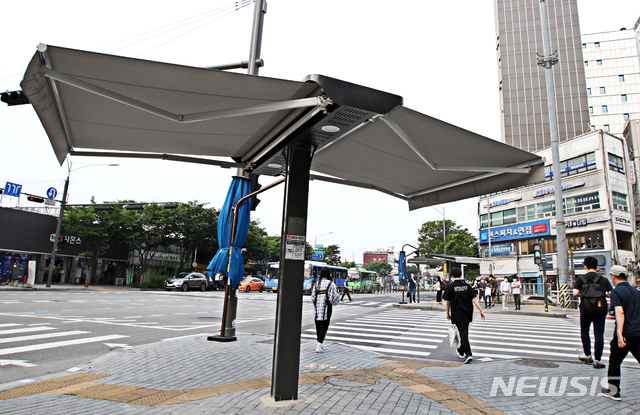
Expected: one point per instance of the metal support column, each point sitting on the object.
(286, 351)
(547, 61)
(52, 267)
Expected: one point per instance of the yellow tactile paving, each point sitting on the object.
(401, 371)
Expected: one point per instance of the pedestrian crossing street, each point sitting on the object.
(17, 339)
(417, 333)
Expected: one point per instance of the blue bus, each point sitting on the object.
(311, 273)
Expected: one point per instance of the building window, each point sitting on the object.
(584, 46)
(546, 209)
(584, 241)
(626, 117)
(603, 90)
(588, 91)
(597, 44)
(590, 110)
(624, 97)
(616, 163)
(531, 212)
(625, 240)
(593, 128)
(484, 221)
(522, 214)
(573, 166)
(509, 216)
(496, 218)
(598, 62)
(605, 108)
(582, 203)
(586, 63)
(621, 78)
(619, 201)
(607, 128)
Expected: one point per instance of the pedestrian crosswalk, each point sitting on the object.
(363, 303)
(17, 339)
(417, 333)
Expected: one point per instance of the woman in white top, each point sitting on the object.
(516, 290)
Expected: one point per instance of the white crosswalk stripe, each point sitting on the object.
(33, 335)
(500, 336)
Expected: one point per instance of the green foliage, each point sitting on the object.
(157, 281)
(274, 246)
(459, 240)
(414, 269)
(347, 264)
(308, 250)
(332, 254)
(257, 250)
(382, 268)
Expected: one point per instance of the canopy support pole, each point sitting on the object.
(286, 352)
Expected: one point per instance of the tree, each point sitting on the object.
(308, 250)
(414, 269)
(256, 246)
(347, 264)
(382, 268)
(332, 254)
(274, 246)
(459, 240)
(191, 226)
(99, 229)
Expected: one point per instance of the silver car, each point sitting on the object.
(186, 281)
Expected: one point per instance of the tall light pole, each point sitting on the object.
(353, 255)
(315, 242)
(63, 203)
(547, 61)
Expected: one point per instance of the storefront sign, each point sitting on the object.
(551, 190)
(623, 221)
(508, 249)
(574, 223)
(503, 202)
(71, 240)
(519, 231)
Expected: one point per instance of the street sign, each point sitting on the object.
(318, 246)
(52, 193)
(12, 189)
(49, 202)
(318, 256)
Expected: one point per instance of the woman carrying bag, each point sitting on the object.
(324, 296)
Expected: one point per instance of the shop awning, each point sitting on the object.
(102, 105)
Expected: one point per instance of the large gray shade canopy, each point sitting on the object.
(96, 104)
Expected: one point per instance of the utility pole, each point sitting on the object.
(52, 265)
(547, 61)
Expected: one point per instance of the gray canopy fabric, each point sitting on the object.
(96, 104)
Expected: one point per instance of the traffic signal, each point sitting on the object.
(417, 253)
(103, 207)
(134, 207)
(537, 253)
(14, 98)
(35, 199)
(170, 205)
(61, 243)
(255, 186)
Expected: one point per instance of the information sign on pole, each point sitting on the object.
(12, 189)
(52, 193)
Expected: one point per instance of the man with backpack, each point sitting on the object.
(593, 290)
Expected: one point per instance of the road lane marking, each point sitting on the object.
(25, 330)
(42, 336)
(53, 345)
(10, 325)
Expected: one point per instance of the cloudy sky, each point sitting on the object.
(440, 56)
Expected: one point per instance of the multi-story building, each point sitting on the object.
(598, 207)
(522, 85)
(612, 70)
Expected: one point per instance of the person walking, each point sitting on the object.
(516, 288)
(487, 295)
(505, 288)
(440, 287)
(324, 296)
(412, 288)
(494, 289)
(481, 288)
(345, 289)
(625, 301)
(461, 298)
(592, 288)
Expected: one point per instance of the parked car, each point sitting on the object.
(251, 284)
(186, 281)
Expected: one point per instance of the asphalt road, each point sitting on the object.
(50, 332)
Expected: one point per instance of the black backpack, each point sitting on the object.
(594, 301)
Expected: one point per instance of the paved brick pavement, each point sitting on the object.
(193, 376)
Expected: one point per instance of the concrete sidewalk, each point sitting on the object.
(193, 376)
(66, 287)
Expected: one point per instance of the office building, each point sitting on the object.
(522, 85)
(598, 206)
(612, 70)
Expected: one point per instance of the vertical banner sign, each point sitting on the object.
(295, 247)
